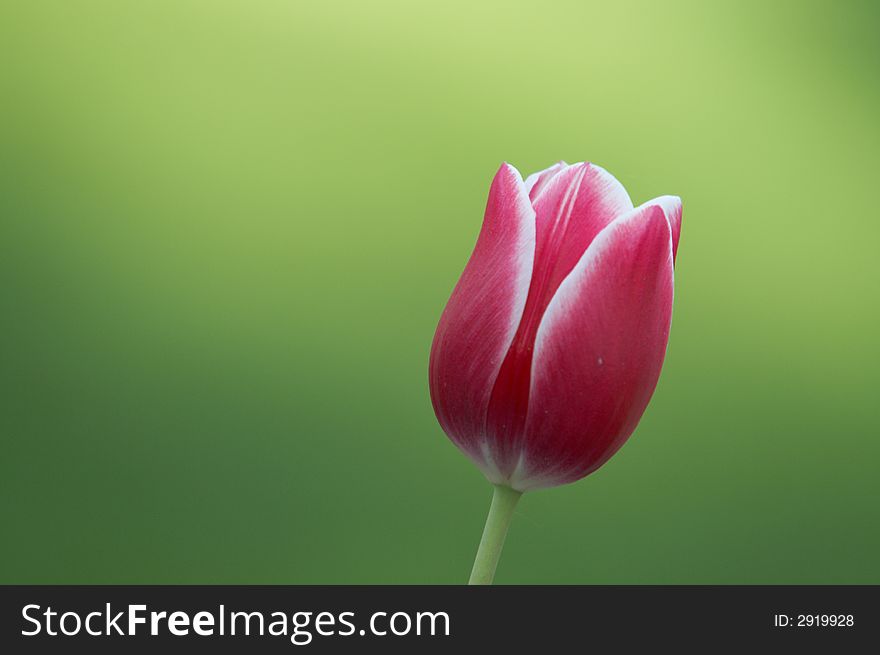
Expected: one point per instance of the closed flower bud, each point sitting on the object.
(551, 344)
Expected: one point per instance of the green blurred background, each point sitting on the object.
(229, 228)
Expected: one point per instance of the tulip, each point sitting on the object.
(551, 344)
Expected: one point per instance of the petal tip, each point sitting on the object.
(509, 168)
(672, 210)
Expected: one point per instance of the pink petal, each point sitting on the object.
(599, 351)
(536, 182)
(671, 206)
(573, 207)
(482, 315)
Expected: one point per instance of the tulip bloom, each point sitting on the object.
(551, 344)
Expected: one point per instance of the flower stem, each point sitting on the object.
(500, 512)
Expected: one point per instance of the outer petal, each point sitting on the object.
(599, 351)
(481, 317)
(671, 206)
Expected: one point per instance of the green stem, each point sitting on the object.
(500, 512)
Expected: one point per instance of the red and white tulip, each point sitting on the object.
(551, 344)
